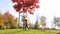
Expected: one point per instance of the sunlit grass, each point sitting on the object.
(31, 31)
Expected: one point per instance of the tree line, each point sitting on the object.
(7, 21)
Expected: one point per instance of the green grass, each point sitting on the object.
(31, 31)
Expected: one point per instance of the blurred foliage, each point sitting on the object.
(43, 21)
(36, 25)
(56, 21)
(7, 21)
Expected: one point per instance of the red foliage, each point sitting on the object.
(31, 11)
(14, 1)
(25, 3)
(8, 15)
(18, 7)
(24, 10)
(36, 1)
(37, 6)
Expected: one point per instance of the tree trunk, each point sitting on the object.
(19, 20)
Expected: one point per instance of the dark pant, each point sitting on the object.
(25, 26)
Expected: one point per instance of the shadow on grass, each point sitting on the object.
(58, 33)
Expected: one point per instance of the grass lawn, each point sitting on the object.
(31, 31)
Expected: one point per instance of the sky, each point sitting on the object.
(48, 8)
(7, 5)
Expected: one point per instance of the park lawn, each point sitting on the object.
(31, 31)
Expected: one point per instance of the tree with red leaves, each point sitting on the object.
(9, 20)
(25, 6)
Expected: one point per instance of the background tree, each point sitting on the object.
(16, 23)
(43, 22)
(36, 23)
(58, 24)
(1, 21)
(31, 25)
(56, 20)
(9, 20)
